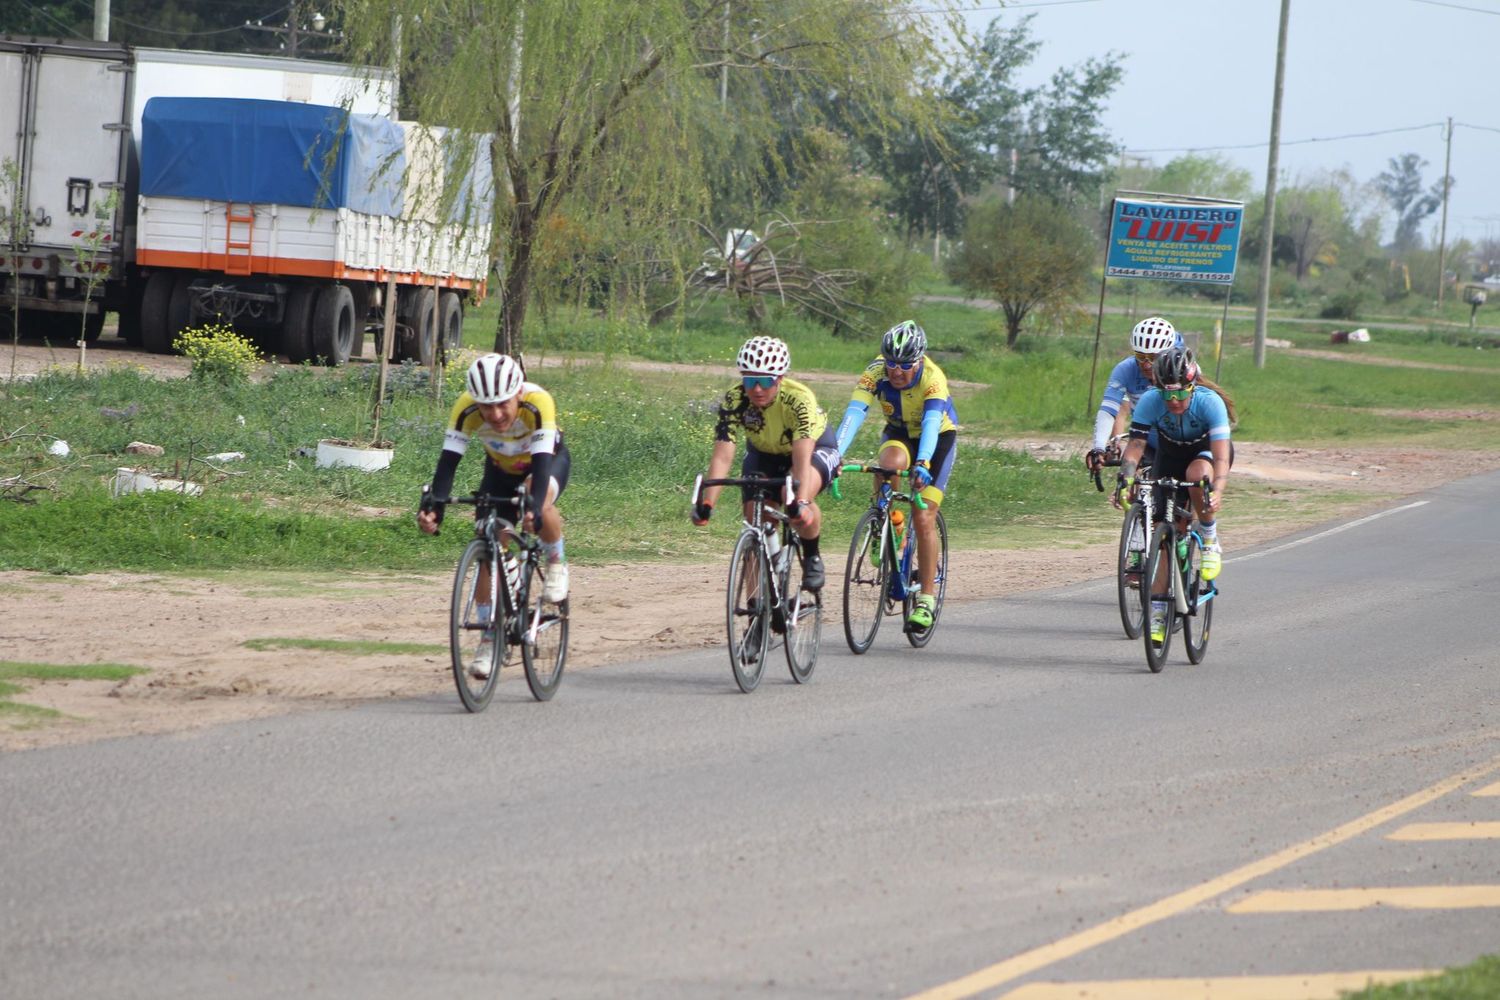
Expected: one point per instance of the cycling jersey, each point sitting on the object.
(1206, 418)
(534, 431)
(904, 408)
(1128, 382)
(793, 415)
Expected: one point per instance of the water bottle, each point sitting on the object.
(512, 573)
(773, 541)
(898, 527)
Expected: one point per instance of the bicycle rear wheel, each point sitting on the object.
(1133, 601)
(1162, 551)
(466, 632)
(748, 617)
(544, 637)
(865, 582)
(1200, 598)
(803, 622)
(922, 636)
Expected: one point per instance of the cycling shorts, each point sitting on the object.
(825, 459)
(942, 459)
(499, 483)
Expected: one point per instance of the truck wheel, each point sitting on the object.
(179, 309)
(93, 326)
(425, 327)
(451, 322)
(296, 324)
(157, 333)
(364, 294)
(333, 325)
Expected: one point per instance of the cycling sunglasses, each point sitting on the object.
(902, 368)
(1144, 360)
(759, 381)
(1185, 392)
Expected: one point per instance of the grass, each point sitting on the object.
(638, 438)
(351, 647)
(1479, 980)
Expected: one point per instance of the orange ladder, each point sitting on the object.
(237, 253)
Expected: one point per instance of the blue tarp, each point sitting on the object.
(271, 152)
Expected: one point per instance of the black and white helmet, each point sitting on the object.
(904, 344)
(1153, 335)
(1175, 367)
(494, 378)
(765, 356)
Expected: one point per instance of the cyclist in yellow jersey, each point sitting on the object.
(921, 433)
(785, 431)
(515, 421)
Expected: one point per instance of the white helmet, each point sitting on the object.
(494, 378)
(1153, 335)
(765, 356)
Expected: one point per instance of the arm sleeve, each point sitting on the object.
(932, 423)
(1104, 422)
(854, 416)
(442, 476)
(541, 475)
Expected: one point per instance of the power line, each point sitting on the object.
(1290, 142)
(42, 13)
(192, 34)
(1455, 6)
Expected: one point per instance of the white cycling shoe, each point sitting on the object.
(555, 590)
(479, 666)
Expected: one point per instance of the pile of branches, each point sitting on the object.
(770, 266)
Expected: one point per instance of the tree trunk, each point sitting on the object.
(508, 339)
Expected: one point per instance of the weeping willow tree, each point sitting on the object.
(614, 113)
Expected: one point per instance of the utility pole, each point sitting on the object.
(1268, 226)
(1443, 232)
(101, 20)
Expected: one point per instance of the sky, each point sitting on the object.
(1200, 74)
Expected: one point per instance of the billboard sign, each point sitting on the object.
(1196, 240)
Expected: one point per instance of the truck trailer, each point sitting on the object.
(279, 195)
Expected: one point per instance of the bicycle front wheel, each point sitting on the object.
(922, 636)
(1128, 569)
(1158, 582)
(803, 622)
(1200, 600)
(865, 582)
(476, 675)
(748, 617)
(544, 637)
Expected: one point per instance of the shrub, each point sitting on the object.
(1344, 305)
(218, 353)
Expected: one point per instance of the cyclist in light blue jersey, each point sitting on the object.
(1127, 383)
(1192, 418)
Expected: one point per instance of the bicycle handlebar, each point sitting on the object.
(788, 483)
(519, 499)
(877, 470)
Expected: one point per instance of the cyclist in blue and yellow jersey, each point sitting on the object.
(921, 433)
(1192, 419)
(1127, 383)
(516, 422)
(785, 432)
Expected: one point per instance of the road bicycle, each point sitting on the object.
(1134, 532)
(1174, 573)
(503, 569)
(880, 575)
(765, 595)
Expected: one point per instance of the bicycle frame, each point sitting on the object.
(496, 531)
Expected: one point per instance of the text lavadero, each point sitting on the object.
(1177, 241)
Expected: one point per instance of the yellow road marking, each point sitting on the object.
(1490, 789)
(1413, 897)
(1318, 986)
(1040, 957)
(1446, 831)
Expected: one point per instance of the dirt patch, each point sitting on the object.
(191, 633)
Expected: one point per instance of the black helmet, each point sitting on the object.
(904, 343)
(1176, 367)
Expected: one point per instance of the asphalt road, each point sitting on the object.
(1020, 802)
